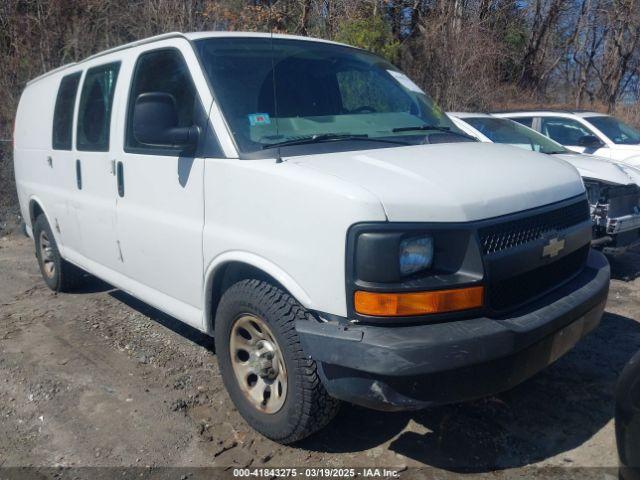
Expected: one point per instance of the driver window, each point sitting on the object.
(162, 71)
(564, 130)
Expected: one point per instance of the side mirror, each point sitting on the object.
(589, 141)
(155, 122)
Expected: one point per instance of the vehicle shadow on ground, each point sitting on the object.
(554, 412)
(91, 284)
(625, 267)
(165, 320)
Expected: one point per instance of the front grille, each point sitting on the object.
(502, 236)
(513, 291)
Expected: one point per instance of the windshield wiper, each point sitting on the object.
(433, 127)
(330, 137)
(558, 152)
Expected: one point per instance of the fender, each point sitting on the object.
(258, 262)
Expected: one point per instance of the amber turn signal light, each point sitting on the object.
(418, 303)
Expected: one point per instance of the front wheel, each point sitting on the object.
(271, 381)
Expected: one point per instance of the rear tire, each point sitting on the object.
(58, 274)
(283, 399)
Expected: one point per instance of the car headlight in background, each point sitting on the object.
(415, 254)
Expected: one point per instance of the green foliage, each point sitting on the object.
(373, 34)
(515, 38)
(515, 42)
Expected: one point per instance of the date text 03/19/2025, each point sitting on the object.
(317, 472)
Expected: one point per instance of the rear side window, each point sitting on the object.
(96, 101)
(163, 71)
(63, 112)
(526, 121)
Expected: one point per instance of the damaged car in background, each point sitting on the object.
(613, 189)
(615, 209)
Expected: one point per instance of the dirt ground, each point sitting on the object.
(97, 378)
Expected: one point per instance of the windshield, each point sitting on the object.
(619, 132)
(324, 90)
(502, 130)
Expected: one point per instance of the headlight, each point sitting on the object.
(416, 254)
(392, 270)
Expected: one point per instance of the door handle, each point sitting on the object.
(50, 161)
(120, 178)
(78, 174)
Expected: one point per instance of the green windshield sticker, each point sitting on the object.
(259, 119)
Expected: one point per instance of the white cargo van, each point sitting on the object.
(309, 206)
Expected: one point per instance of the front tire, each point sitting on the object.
(270, 379)
(58, 274)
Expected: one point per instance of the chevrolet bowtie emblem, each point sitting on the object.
(553, 247)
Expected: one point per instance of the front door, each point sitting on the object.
(569, 132)
(160, 204)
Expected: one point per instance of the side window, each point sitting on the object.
(96, 101)
(63, 112)
(526, 121)
(564, 130)
(163, 71)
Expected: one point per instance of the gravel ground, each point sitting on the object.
(97, 378)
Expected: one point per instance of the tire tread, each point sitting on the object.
(317, 408)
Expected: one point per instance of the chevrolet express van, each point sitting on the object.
(308, 205)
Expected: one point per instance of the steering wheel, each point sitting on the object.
(364, 109)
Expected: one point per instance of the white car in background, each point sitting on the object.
(612, 188)
(584, 132)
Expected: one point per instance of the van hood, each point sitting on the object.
(455, 182)
(598, 168)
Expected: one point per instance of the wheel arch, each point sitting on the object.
(232, 267)
(36, 208)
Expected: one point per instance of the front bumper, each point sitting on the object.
(417, 366)
(623, 224)
(619, 243)
(619, 234)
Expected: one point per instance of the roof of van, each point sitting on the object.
(191, 36)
